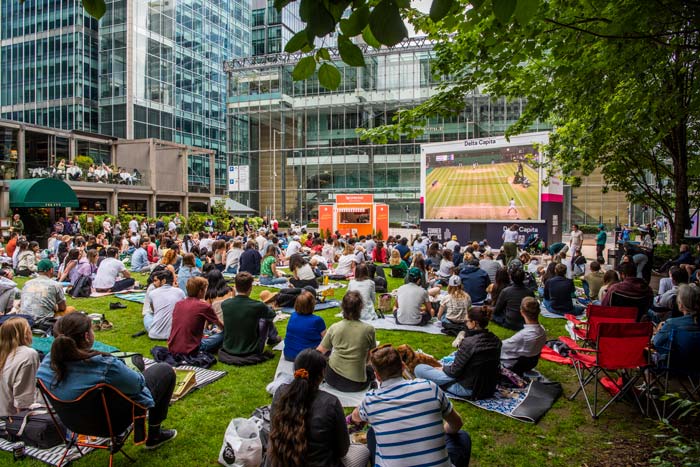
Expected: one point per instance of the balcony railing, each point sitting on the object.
(121, 176)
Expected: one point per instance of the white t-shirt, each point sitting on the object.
(163, 300)
(306, 273)
(345, 265)
(294, 247)
(576, 238)
(410, 297)
(206, 243)
(172, 226)
(510, 236)
(107, 273)
(133, 226)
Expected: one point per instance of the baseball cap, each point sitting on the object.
(601, 226)
(454, 281)
(515, 264)
(414, 274)
(44, 265)
(296, 237)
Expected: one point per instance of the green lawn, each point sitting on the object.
(566, 436)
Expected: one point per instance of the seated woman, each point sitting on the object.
(398, 267)
(187, 270)
(232, 257)
(347, 262)
(18, 366)
(446, 267)
(269, 275)
(307, 426)
(26, 258)
(688, 300)
(68, 271)
(302, 271)
(455, 305)
(379, 253)
(475, 370)
(217, 291)
(365, 287)
(304, 329)
(169, 260)
(73, 367)
(350, 341)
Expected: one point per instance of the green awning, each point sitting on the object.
(41, 193)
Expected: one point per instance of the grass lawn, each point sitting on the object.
(566, 436)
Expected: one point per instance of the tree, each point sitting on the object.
(616, 78)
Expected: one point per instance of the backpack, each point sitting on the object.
(82, 287)
(36, 428)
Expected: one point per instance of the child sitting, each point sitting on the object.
(529, 340)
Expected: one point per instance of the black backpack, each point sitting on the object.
(82, 287)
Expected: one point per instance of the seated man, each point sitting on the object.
(42, 297)
(684, 257)
(163, 298)
(474, 280)
(529, 340)
(688, 300)
(664, 303)
(247, 323)
(594, 280)
(250, 259)
(107, 276)
(139, 259)
(631, 286)
(506, 311)
(412, 302)
(189, 318)
(412, 422)
(559, 293)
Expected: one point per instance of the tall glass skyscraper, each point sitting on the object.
(48, 64)
(271, 29)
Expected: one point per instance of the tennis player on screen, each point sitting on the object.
(511, 207)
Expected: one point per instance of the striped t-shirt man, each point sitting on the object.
(407, 418)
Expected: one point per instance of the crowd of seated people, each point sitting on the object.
(96, 173)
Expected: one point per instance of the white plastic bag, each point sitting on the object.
(242, 446)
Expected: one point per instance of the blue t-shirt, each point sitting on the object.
(303, 332)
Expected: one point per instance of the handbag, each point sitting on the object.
(82, 287)
(36, 428)
(242, 446)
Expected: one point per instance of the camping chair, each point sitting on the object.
(596, 314)
(681, 366)
(102, 411)
(616, 364)
(640, 303)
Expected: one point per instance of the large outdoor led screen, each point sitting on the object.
(486, 179)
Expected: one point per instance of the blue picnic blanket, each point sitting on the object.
(43, 345)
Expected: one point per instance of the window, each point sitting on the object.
(354, 215)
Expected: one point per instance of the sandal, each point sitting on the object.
(105, 325)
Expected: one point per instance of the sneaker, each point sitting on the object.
(116, 306)
(273, 342)
(162, 438)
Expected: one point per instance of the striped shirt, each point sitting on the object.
(407, 417)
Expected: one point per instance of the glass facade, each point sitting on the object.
(271, 29)
(301, 142)
(48, 64)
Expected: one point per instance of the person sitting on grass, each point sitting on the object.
(139, 259)
(302, 271)
(397, 265)
(42, 297)
(247, 323)
(594, 279)
(269, 275)
(188, 270)
(159, 319)
(506, 311)
(455, 305)
(350, 341)
(18, 366)
(304, 329)
(190, 316)
(250, 259)
(107, 276)
(474, 372)
(559, 293)
(474, 280)
(307, 426)
(366, 288)
(72, 367)
(412, 422)
(609, 278)
(529, 340)
(347, 262)
(412, 302)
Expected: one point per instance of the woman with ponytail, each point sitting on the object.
(18, 367)
(307, 426)
(73, 367)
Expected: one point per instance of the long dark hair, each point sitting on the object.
(70, 344)
(296, 261)
(288, 425)
(217, 285)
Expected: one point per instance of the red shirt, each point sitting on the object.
(189, 318)
(152, 252)
(11, 245)
(379, 256)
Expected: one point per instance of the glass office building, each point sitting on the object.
(48, 64)
(271, 29)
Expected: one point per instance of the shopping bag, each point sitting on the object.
(242, 446)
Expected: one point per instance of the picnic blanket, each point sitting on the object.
(389, 324)
(138, 297)
(43, 345)
(106, 294)
(319, 306)
(284, 375)
(50, 456)
(203, 377)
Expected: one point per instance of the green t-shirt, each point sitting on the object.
(350, 341)
(266, 266)
(241, 316)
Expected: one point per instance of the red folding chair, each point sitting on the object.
(616, 363)
(587, 330)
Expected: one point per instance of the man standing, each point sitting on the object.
(511, 207)
(42, 297)
(412, 421)
(133, 226)
(17, 224)
(576, 241)
(107, 276)
(163, 298)
(510, 246)
(247, 323)
(172, 228)
(600, 239)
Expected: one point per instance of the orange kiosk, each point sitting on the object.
(354, 214)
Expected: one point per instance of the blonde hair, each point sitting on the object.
(395, 258)
(169, 257)
(13, 333)
(348, 250)
(456, 291)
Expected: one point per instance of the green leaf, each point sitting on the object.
(440, 8)
(305, 9)
(356, 22)
(503, 9)
(321, 22)
(324, 53)
(525, 10)
(304, 69)
(329, 76)
(337, 8)
(369, 38)
(95, 8)
(477, 3)
(386, 23)
(403, 3)
(349, 52)
(297, 42)
(279, 4)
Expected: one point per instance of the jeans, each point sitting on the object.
(212, 343)
(265, 280)
(122, 285)
(160, 380)
(232, 270)
(576, 308)
(459, 447)
(439, 377)
(640, 260)
(266, 331)
(148, 321)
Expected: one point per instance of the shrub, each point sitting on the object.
(84, 162)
